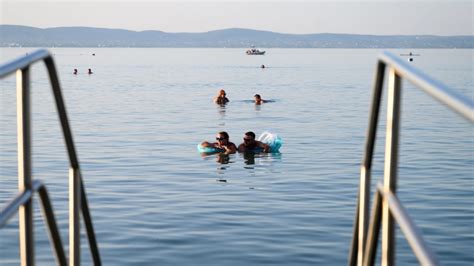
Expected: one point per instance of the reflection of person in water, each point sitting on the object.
(249, 158)
(223, 158)
(221, 110)
(221, 98)
(222, 143)
(250, 144)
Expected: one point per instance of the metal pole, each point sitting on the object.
(423, 253)
(391, 164)
(366, 167)
(352, 261)
(53, 228)
(89, 227)
(374, 230)
(364, 201)
(74, 222)
(24, 165)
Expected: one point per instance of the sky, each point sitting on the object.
(382, 17)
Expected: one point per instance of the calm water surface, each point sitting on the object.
(155, 200)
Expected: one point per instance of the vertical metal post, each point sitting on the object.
(352, 260)
(74, 212)
(364, 201)
(391, 165)
(366, 167)
(374, 230)
(24, 165)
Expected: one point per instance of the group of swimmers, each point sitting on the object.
(223, 144)
(221, 98)
(89, 71)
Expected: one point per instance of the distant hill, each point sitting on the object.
(14, 36)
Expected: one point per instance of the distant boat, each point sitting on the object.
(254, 51)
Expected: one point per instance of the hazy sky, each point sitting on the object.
(445, 17)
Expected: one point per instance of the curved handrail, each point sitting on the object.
(77, 196)
(22, 62)
(435, 88)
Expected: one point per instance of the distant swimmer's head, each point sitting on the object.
(258, 99)
(221, 98)
(75, 71)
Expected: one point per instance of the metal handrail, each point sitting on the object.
(77, 195)
(436, 89)
(22, 199)
(360, 252)
(423, 253)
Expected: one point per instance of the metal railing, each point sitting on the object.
(387, 209)
(23, 202)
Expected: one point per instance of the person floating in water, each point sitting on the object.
(258, 99)
(75, 71)
(250, 144)
(90, 71)
(262, 66)
(221, 98)
(222, 143)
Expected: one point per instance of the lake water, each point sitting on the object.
(155, 200)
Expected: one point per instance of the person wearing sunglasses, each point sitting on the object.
(252, 145)
(222, 143)
(221, 98)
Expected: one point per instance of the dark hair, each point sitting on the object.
(257, 95)
(223, 133)
(250, 134)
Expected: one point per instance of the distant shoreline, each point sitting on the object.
(87, 37)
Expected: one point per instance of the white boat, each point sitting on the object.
(255, 51)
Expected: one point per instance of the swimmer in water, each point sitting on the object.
(222, 143)
(89, 72)
(75, 71)
(221, 98)
(250, 144)
(258, 99)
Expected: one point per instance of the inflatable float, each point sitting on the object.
(272, 140)
(208, 149)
